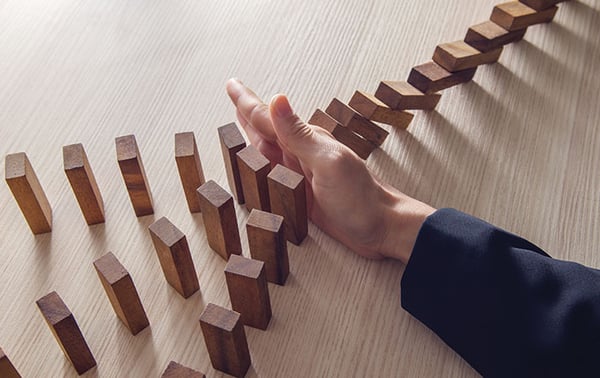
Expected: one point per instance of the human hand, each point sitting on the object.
(345, 199)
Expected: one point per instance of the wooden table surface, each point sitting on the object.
(519, 146)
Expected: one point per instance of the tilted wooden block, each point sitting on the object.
(232, 142)
(189, 167)
(431, 77)
(82, 180)
(488, 36)
(254, 168)
(175, 258)
(515, 15)
(267, 242)
(121, 292)
(541, 4)
(175, 370)
(458, 56)
(220, 221)
(355, 142)
(401, 95)
(66, 331)
(225, 340)
(248, 291)
(134, 175)
(7, 369)
(346, 116)
(372, 108)
(287, 192)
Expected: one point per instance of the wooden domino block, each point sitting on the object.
(175, 258)
(121, 292)
(175, 370)
(541, 4)
(225, 340)
(82, 180)
(458, 56)
(66, 331)
(430, 77)
(355, 142)
(287, 192)
(28, 192)
(232, 142)
(189, 167)
(372, 108)
(488, 36)
(248, 291)
(400, 95)
(515, 15)
(346, 116)
(220, 220)
(134, 175)
(254, 168)
(267, 242)
(7, 369)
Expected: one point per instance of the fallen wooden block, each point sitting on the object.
(431, 77)
(7, 369)
(66, 331)
(267, 242)
(372, 108)
(28, 192)
(401, 95)
(175, 258)
(220, 221)
(346, 116)
(134, 175)
(225, 340)
(175, 370)
(515, 15)
(121, 292)
(254, 168)
(189, 167)
(232, 142)
(489, 36)
(458, 56)
(287, 193)
(248, 291)
(541, 4)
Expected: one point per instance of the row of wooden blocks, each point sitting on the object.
(453, 63)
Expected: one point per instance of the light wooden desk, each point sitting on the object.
(519, 146)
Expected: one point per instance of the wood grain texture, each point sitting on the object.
(458, 56)
(401, 95)
(430, 77)
(515, 15)
(232, 142)
(7, 369)
(372, 108)
(267, 242)
(488, 36)
(189, 167)
(541, 4)
(254, 168)
(134, 175)
(175, 370)
(349, 118)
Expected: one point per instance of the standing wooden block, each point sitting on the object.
(541, 4)
(225, 340)
(267, 242)
(372, 108)
(458, 56)
(66, 331)
(28, 192)
(134, 175)
(220, 221)
(175, 258)
(355, 142)
(82, 180)
(254, 168)
(401, 95)
(488, 36)
(287, 192)
(248, 291)
(121, 292)
(346, 116)
(431, 77)
(189, 167)
(232, 142)
(7, 369)
(515, 15)
(175, 370)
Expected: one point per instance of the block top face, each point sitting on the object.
(251, 156)
(185, 144)
(175, 370)
(230, 135)
(111, 268)
(372, 99)
(15, 165)
(404, 88)
(516, 8)
(214, 194)
(489, 29)
(166, 231)
(220, 317)
(324, 120)
(73, 156)
(459, 49)
(340, 111)
(286, 176)
(126, 147)
(53, 308)
(265, 220)
(432, 70)
(244, 267)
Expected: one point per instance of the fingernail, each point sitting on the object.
(282, 106)
(234, 85)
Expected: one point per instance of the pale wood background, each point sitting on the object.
(519, 147)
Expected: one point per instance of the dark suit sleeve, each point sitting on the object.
(501, 302)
